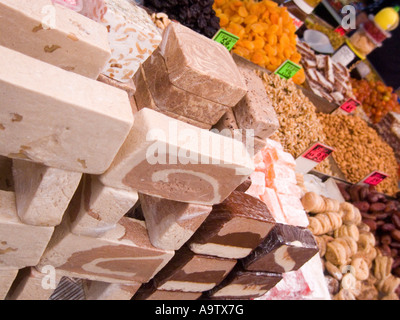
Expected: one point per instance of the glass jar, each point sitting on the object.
(363, 42)
(373, 29)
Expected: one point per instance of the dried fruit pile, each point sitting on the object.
(197, 15)
(377, 99)
(266, 31)
(356, 263)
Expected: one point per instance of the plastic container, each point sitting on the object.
(363, 42)
(375, 31)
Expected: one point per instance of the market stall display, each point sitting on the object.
(326, 78)
(356, 265)
(299, 124)
(389, 129)
(360, 150)
(164, 167)
(376, 98)
(266, 31)
(335, 38)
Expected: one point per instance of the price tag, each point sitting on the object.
(374, 178)
(313, 156)
(228, 40)
(288, 69)
(350, 105)
(340, 30)
(318, 153)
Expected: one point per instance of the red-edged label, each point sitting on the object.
(296, 21)
(340, 30)
(318, 153)
(375, 178)
(350, 105)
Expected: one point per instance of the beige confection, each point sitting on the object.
(68, 121)
(197, 64)
(32, 284)
(171, 99)
(55, 35)
(122, 255)
(97, 290)
(21, 245)
(255, 111)
(96, 208)
(42, 193)
(167, 158)
(145, 99)
(171, 223)
(6, 279)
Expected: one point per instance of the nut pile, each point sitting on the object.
(359, 150)
(197, 15)
(382, 215)
(299, 124)
(354, 268)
